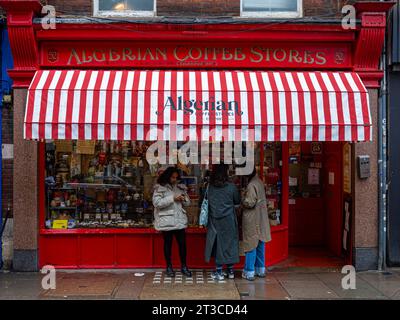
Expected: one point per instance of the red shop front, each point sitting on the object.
(100, 96)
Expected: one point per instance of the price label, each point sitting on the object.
(60, 224)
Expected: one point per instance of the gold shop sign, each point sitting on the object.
(146, 55)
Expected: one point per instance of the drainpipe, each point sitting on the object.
(382, 162)
(1, 155)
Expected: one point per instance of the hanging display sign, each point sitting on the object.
(316, 148)
(63, 145)
(85, 146)
(313, 176)
(123, 54)
(347, 168)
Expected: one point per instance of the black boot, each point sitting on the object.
(186, 271)
(170, 272)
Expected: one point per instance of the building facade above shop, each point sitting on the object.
(83, 43)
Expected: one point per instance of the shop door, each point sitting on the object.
(306, 211)
(332, 195)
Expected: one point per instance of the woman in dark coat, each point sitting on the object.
(222, 229)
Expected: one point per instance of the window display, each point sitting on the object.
(98, 184)
(271, 172)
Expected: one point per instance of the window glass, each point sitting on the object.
(269, 5)
(99, 184)
(126, 5)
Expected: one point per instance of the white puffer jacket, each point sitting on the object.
(168, 213)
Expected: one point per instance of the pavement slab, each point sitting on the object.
(396, 296)
(262, 291)
(308, 289)
(169, 289)
(294, 276)
(19, 286)
(98, 285)
(363, 289)
(385, 282)
(130, 288)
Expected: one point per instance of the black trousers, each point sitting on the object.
(180, 237)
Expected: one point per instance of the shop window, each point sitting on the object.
(269, 166)
(271, 8)
(124, 7)
(98, 184)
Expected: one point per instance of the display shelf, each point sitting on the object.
(131, 230)
(52, 188)
(43, 231)
(74, 185)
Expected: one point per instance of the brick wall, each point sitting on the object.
(7, 182)
(7, 125)
(322, 8)
(198, 7)
(7, 185)
(72, 7)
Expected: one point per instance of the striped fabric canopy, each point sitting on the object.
(197, 105)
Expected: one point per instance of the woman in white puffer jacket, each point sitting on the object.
(170, 218)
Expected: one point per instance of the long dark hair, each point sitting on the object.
(252, 174)
(219, 175)
(165, 177)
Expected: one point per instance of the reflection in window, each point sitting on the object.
(125, 6)
(270, 6)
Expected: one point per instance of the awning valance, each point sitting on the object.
(197, 105)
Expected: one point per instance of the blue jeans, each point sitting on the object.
(255, 260)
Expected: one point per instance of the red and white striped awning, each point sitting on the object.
(197, 105)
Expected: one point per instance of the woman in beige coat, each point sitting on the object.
(256, 228)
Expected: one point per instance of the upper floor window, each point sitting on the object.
(124, 7)
(271, 8)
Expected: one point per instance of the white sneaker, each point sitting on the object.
(230, 274)
(217, 276)
(244, 276)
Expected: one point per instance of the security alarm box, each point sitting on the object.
(364, 167)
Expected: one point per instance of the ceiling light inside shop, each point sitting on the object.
(119, 6)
